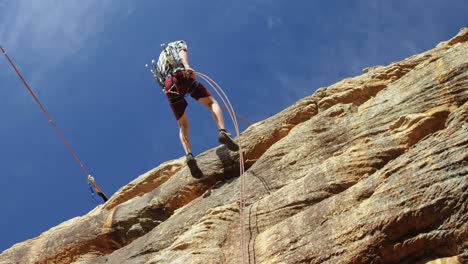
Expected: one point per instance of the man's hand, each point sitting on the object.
(190, 72)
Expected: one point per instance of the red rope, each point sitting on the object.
(49, 118)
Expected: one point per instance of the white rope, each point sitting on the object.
(224, 98)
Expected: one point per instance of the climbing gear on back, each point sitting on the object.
(169, 61)
(170, 55)
(49, 118)
(159, 79)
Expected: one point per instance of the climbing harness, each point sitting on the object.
(173, 90)
(193, 86)
(90, 179)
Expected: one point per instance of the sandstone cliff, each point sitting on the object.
(372, 169)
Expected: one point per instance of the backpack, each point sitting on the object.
(169, 61)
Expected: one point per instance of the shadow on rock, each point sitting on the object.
(224, 156)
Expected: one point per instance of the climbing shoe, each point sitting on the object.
(226, 139)
(190, 160)
(193, 166)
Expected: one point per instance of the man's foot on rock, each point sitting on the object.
(226, 139)
(193, 166)
(190, 160)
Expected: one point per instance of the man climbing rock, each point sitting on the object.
(178, 79)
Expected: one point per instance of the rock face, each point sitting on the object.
(372, 169)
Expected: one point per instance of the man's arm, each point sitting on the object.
(184, 56)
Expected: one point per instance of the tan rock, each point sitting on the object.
(372, 169)
(452, 260)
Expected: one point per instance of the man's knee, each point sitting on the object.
(208, 101)
(183, 121)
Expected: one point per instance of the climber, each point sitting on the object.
(178, 79)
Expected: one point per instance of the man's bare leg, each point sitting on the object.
(224, 137)
(184, 133)
(212, 105)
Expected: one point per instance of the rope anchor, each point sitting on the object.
(49, 118)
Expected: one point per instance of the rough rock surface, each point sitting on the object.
(372, 169)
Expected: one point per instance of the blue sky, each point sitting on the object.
(85, 60)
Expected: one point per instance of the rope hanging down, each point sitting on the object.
(222, 95)
(90, 179)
